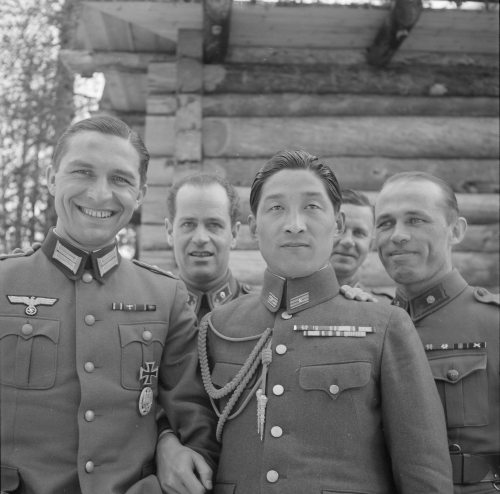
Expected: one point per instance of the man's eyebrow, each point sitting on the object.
(280, 195)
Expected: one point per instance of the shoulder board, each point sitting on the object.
(154, 269)
(389, 292)
(18, 252)
(486, 297)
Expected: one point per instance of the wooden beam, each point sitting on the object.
(395, 29)
(413, 80)
(395, 137)
(216, 16)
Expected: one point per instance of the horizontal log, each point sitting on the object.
(410, 80)
(248, 266)
(478, 209)
(160, 135)
(286, 55)
(315, 105)
(478, 238)
(365, 173)
(401, 137)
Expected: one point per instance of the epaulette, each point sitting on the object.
(389, 292)
(154, 269)
(18, 252)
(485, 296)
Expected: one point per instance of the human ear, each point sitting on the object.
(252, 223)
(340, 221)
(169, 227)
(458, 230)
(51, 179)
(234, 231)
(140, 195)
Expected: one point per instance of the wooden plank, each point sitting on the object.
(296, 104)
(160, 135)
(248, 266)
(216, 15)
(404, 137)
(412, 80)
(369, 173)
(162, 78)
(164, 19)
(286, 55)
(161, 104)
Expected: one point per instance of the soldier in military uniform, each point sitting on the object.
(316, 393)
(202, 228)
(351, 247)
(90, 342)
(417, 224)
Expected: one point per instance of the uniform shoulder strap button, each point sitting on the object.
(486, 297)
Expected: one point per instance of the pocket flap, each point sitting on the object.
(223, 372)
(9, 478)
(335, 378)
(453, 368)
(145, 333)
(13, 325)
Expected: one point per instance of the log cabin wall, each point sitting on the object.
(297, 77)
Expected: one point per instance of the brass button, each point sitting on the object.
(430, 299)
(286, 315)
(87, 277)
(276, 431)
(89, 367)
(278, 389)
(89, 320)
(27, 329)
(89, 466)
(147, 335)
(272, 476)
(334, 389)
(281, 349)
(89, 415)
(453, 374)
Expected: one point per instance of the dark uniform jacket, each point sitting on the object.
(81, 338)
(228, 289)
(459, 327)
(351, 404)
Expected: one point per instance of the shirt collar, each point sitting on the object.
(225, 291)
(297, 294)
(432, 299)
(73, 261)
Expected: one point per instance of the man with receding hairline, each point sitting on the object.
(417, 224)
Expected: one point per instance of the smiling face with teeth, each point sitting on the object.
(96, 188)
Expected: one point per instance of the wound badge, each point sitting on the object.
(146, 375)
(145, 401)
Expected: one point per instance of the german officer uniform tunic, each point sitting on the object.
(228, 289)
(89, 343)
(459, 327)
(319, 394)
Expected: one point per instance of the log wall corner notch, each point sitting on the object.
(402, 17)
(216, 17)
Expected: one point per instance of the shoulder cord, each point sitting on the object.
(238, 383)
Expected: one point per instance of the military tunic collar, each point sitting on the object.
(297, 294)
(225, 291)
(449, 287)
(73, 262)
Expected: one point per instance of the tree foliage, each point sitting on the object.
(36, 103)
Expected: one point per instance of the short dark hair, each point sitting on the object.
(296, 160)
(104, 124)
(202, 180)
(449, 197)
(350, 196)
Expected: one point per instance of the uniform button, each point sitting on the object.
(87, 277)
(430, 299)
(334, 389)
(27, 329)
(89, 415)
(281, 349)
(454, 448)
(89, 319)
(453, 374)
(222, 295)
(285, 315)
(89, 366)
(481, 292)
(272, 476)
(278, 389)
(276, 431)
(89, 466)
(147, 335)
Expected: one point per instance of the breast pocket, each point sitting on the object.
(335, 380)
(141, 348)
(28, 350)
(462, 383)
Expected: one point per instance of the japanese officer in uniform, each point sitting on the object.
(417, 224)
(89, 341)
(316, 393)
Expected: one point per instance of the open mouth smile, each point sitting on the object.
(96, 213)
(201, 254)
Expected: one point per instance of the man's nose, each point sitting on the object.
(100, 190)
(347, 240)
(295, 222)
(200, 235)
(400, 234)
